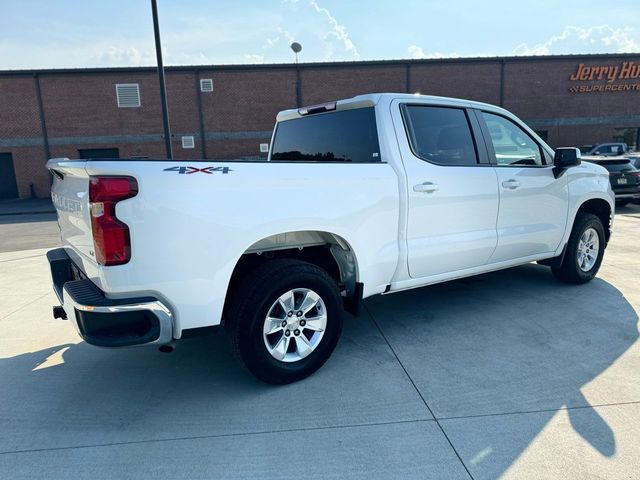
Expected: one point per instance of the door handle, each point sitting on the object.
(426, 187)
(511, 184)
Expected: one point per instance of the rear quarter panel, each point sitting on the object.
(188, 230)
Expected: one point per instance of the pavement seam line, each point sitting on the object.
(418, 391)
(542, 410)
(24, 306)
(221, 435)
(21, 258)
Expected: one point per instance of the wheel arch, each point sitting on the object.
(327, 250)
(600, 208)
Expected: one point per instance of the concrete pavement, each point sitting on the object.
(509, 374)
(28, 231)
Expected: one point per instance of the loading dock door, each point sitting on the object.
(99, 153)
(8, 185)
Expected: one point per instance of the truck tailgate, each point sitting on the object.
(69, 193)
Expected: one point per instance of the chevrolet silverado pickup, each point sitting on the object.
(358, 197)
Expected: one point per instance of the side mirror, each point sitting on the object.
(564, 158)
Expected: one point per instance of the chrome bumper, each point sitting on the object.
(106, 322)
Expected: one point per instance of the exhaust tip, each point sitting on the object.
(168, 348)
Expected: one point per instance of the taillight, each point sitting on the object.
(111, 240)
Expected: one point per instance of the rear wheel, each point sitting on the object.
(584, 252)
(285, 318)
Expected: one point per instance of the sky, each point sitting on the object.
(71, 33)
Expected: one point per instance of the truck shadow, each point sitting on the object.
(513, 342)
(506, 342)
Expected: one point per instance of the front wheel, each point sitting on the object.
(584, 252)
(285, 319)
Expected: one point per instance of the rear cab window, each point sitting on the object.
(339, 136)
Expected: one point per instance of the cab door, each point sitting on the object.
(533, 203)
(452, 188)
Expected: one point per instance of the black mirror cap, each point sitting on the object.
(567, 157)
(564, 158)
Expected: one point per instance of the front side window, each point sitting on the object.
(513, 146)
(440, 135)
(341, 136)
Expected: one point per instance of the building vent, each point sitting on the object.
(188, 141)
(206, 85)
(128, 94)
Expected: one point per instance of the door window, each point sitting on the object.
(512, 145)
(440, 135)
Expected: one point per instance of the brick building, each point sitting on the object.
(226, 112)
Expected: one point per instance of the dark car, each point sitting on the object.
(605, 149)
(624, 178)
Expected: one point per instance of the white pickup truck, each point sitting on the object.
(364, 196)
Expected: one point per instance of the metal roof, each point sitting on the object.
(314, 65)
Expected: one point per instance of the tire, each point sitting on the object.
(259, 294)
(622, 203)
(575, 268)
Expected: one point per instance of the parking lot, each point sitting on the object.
(510, 374)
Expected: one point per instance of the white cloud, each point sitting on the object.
(323, 37)
(597, 39)
(125, 56)
(271, 42)
(338, 31)
(417, 52)
(253, 58)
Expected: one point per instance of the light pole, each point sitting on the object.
(163, 91)
(297, 48)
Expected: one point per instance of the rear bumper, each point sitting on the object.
(106, 322)
(627, 196)
(626, 192)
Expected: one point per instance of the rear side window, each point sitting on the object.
(609, 149)
(440, 135)
(342, 136)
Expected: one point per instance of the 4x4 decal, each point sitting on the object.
(189, 170)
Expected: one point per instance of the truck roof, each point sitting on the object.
(372, 99)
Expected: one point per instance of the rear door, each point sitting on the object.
(533, 203)
(452, 189)
(8, 185)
